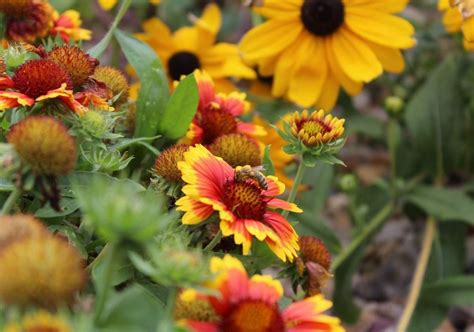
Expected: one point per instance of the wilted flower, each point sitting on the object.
(75, 62)
(313, 47)
(68, 26)
(115, 80)
(44, 145)
(237, 150)
(191, 48)
(44, 271)
(218, 113)
(251, 304)
(41, 321)
(27, 20)
(313, 264)
(245, 200)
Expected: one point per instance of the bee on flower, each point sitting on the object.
(244, 303)
(245, 204)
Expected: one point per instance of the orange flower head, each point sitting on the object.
(245, 200)
(237, 150)
(313, 263)
(27, 20)
(44, 144)
(78, 64)
(43, 271)
(36, 78)
(41, 321)
(166, 164)
(115, 80)
(244, 303)
(316, 128)
(218, 114)
(18, 227)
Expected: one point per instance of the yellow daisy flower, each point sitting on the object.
(313, 47)
(459, 16)
(109, 4)
(195, 47)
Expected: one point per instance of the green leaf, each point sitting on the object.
(443, 204)
(453, 291)
(427, 317)
(134, 309)
(267, 162)
(6, 185)
(180, 110)
(68, 206)
(435, 116)
(84, 179)
(154, 90)
(100, 47)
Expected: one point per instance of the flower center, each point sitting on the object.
(253, 316)
(236, 150)
(313, 128)
(216, 122)
(182, 63)
(322, 17)
(244, 198)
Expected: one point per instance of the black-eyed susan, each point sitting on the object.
(41, 321)
(115, 80)
(245, 201)
(459, 16)
(109, 4)
(44, 145)
(68, 26)
(75, 62)
(27, 20)
(313, 47)
(237, 150)
(244, 303)
(195, 47)
(43, 271)
(218, 113)
(313, 264)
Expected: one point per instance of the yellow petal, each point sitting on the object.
(391, 58)
(107, 4)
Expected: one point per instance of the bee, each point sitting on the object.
(249, 173)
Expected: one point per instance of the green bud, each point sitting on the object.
(394, 105)
(348, 182)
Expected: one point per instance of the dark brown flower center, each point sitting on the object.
(244, 198)
(254, 316)
(216, 122)
(322, 17)
(182, 63)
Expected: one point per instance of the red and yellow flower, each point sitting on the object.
(218, 113)
(459, 16)
(246, 303)
(68, 26)
(191, 48)
(245, 205)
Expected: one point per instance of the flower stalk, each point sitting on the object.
(11, 200)
(294, 189)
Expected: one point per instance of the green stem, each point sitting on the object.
(215, 241)
(171, 302)
(296, 185)
(112, 256)
(367, 231)
(11, 200)
(417, 282)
